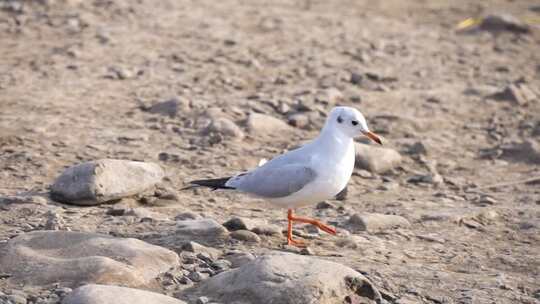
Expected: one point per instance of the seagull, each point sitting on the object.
(310, 174)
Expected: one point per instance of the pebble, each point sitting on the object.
(503, 22)
(267, 229)
(54, 221)
(198, 248)
(518, 93)
(238, 259)
(237, 223)
(187, 216)
(169, 107)
(430, 178)
(325, 205)
(377, 221)
(225, 127)
(266, 124)
(246, 236)
(202, 300)
(418, 148)
(198, 276)
(221, 265)
(200, 228)
(356, 78)
(298, 120)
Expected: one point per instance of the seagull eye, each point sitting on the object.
(339, 119)
(354, 122)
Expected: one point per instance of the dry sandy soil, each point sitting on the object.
(76, 76)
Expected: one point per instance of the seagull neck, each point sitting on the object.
(333, 141)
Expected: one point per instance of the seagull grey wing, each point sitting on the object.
(273, 182)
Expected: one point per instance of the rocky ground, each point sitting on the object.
(448, 212)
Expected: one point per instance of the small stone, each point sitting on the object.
(518, 93)
(116, 211)
(145, 214)
(377, 221)
(527, 151)
(325, 205)
(298, 120)
(376, 159)
(266, 229)
(237, 223)
(200, 229)
(430, 178)
(333, 97)
(503, 22)
(418, 148)
(239, 258)
(121, 73)
(38, 200)
(187, 216)
(197, 276)
(225, 127)
(202, 300)
(54, 221)
(206, 257)
(432, 237)
(62, 291)
(388, 186)
(307, 251)
(198, 248)
(169, 107)
(246, 236)
(356, 78)
(484, 201)
(363, 173)
(221, 265)
(266, 124)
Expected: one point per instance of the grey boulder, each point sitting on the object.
(75, 258)
(104, 180)
(107, 294)
(288, 278)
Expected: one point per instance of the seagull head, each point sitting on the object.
(350, 122)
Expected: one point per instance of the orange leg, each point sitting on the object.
(316, 223)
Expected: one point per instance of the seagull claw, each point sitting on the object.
(316, 223)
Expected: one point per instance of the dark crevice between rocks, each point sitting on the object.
(362, 287)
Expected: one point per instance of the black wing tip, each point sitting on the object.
(213, 183)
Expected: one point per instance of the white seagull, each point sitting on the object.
(310, 174)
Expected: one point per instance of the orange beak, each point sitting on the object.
(373, 137)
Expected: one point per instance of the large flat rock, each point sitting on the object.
(75, 258)
(289, 278)
(107, 294)
(104, 180)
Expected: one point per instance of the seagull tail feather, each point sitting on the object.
(213, 183)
